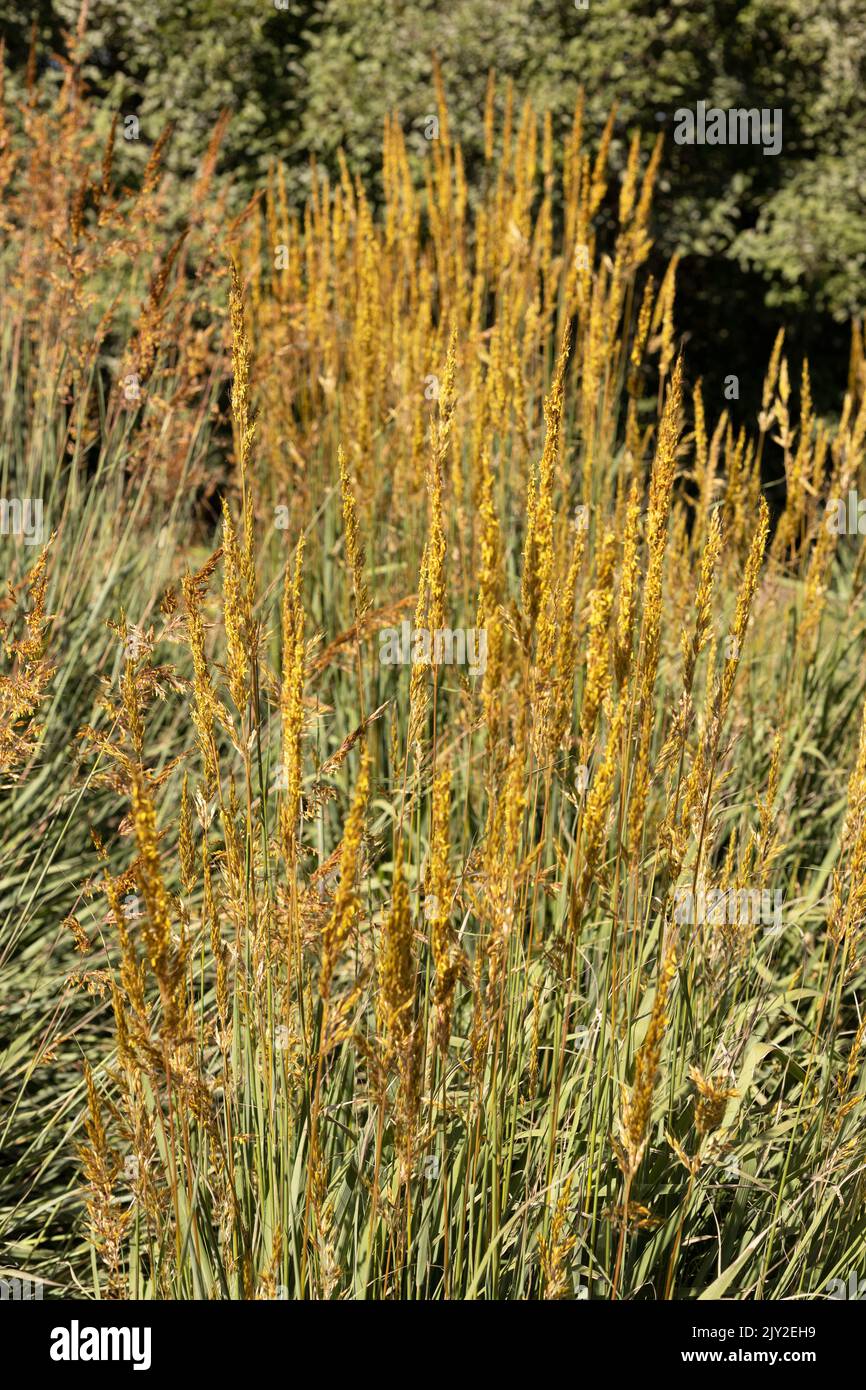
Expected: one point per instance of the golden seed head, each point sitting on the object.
(237, 662)
(292, 699)
(598, 668)
(346, 905)
(186, 842)
(637, 1105)
(397, 967)
(354, 548)
(711, 1103)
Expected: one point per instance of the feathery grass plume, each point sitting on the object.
(636, 1106)
(555, 1249)
(108, 1218)
(847, 452)
(765, 418)
(240, 570)
(292, 699)
(598, 185)
(490, 595)
(538, 552)
(354, 546)
(501, 860)
(529, 590)
(598, 665)
(701, 440)
(79, 935)
(763, 846)
(595, 819)
(856, 805)
(593, 368)
(131, 720)
(661, 487)
(745, 598)
(848, 903)
(710, 1107)
(151, 328)
(697, 781)
(22, 692)
(561, 695)
(845, 1102)
(125, 1052)
(244, 424)
(132, 971)
(628, 187)
(691, 647)
(663, 318)
(401, 1040)
(167, 961)
(206, 708)
(397, 965)
(234, 617)
(219, 951)
(489, 115)
(186, 843)
(430, 606)
(628, 587)
(646, 193)
(418, 696)
(703, 600)
(711, 1102)
(735, 504)
(704, 468)
(797, 470)
(444, 949)
(440, 440)
(344, 915)
(644, 319)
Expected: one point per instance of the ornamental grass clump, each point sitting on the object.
(342, 978)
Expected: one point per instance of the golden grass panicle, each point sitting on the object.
(661, 487)
(292, 700)
(598, 665)
(490, 594)
(167, 961)
(598, 804)
(539, 557)
(555, 1249)
(240, 398)
(244, 428)
(108, 1218)
(354, 546)
(636, 1110)
(440, 434)
(562, 693)
(344, 915)
(711, 1103)
(446, 955)
(186, 842)
(22, 691)
(745, 598)
(206, 709)
(234, 617)
(628, 587)
(397, 965)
